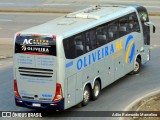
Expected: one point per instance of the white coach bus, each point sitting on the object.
(69, 60)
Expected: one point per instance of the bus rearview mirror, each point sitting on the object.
(154, 29)
(151, 25)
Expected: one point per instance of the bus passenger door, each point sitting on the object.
(71, 86)
(79, 91)
(118, 65)
(74, 89)
(143, 15)
(109, 70)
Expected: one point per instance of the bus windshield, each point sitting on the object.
(35, 45)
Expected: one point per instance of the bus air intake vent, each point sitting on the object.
(95, 12)
(35, 72)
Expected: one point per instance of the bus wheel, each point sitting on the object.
(137, 66)
(86, 96)
(96, 90)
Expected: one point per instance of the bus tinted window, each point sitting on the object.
(74, 46)
(113, 30)
(133, 23)
(123, 26)
(102, 37)
(90, 40)
(79, 43)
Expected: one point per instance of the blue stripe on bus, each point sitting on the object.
(130, 37)
(132, 53)
(69, 64)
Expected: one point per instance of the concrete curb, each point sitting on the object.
(52, 11)
(137, 102)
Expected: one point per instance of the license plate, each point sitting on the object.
(36, 104)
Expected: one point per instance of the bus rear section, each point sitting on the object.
(35, 73)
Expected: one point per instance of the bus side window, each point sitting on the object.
(101, 36)
(74, 46)
(90, 40)
(69, 48)
(113, 31)
(133, 23)
(79, 43)
(123, 26)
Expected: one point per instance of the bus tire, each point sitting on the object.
(137, 66)
(86, 96)
(96, 90)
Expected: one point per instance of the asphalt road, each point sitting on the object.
(73, 5)
(113, 98)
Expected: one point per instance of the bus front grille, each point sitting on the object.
(35, 72)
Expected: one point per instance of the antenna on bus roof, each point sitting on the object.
(98, 7)
(93, 9)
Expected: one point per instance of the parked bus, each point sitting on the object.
(69, 60)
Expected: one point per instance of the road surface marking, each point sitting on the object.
(157, 7)
(3, 57)
(5, 20)
(154, 46)
(17, 29)
(7, 3)
(122, 1)
(127, 1)
(56, 4)
(137, 74)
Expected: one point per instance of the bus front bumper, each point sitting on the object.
(58, 105)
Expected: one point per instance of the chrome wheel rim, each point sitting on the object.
(96, 90)
(136, 66)
(86, 96)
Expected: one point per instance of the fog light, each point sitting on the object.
(19, 101)
(53, 104)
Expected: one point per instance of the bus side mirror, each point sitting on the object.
(154, 29)
(151, 25)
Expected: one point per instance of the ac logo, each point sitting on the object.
(27, 41)
(35, 42)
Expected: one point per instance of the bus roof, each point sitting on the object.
(80, 21)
